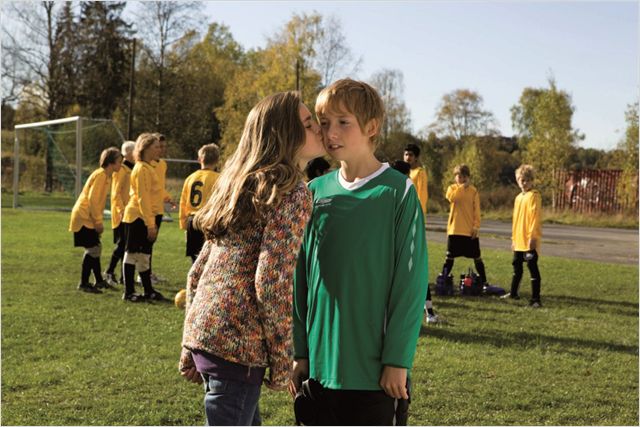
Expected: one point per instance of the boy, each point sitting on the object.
(195, 193)
(160, 166)
(464, 223)
(362, 271)
(120, 185)
(526, 234)
(418, 175)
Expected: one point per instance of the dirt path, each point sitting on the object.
(596, 244)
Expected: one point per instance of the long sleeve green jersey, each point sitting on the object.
(361, 279)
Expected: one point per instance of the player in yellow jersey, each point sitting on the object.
(160, 166)
(86, 218)
(526, 234)
(119, 198)
(464, 223)
(195, 193)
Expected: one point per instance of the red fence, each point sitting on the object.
(590, 191)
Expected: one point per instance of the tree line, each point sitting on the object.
(161, 67)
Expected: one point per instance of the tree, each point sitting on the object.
(103, 57)
(628, 187)
(278, 67)
(390, 85)
(543, 120)
(161, 24)
(333, 56)
(461, 115)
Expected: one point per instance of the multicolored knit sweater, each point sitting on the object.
(240, 292)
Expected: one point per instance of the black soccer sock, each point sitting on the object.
(145, 278)
(86, 269)
(129, 272)
(95, 266)
(535, 290)
(447, 267)
(193, 258)
(480, 267)
(113, 263)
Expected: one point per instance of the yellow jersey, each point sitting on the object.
(420, 181)
(195, 193)
(87, 211)
(527, 225)
(464, 214)
(145, 196)
(120, 184)
(161, 169)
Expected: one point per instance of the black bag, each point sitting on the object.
(310, 406)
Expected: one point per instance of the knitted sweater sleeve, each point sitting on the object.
(274, 278)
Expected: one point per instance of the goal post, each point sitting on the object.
(16, 148)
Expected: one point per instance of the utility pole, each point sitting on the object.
(131, 91)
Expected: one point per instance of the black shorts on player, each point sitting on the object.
(195, 239)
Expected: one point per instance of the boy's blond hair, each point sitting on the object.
(209, 154)
(462, 170)
(525, 171)
(354, 97)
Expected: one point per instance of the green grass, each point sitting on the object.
(71, 358)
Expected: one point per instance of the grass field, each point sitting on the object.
(75, 358)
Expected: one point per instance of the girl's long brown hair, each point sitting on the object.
(260, 172)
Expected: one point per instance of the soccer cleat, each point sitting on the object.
(110, 278)
(132, 297)
(432, 318)
(86, 287)
(103, 285)
(154, 296)
(509, 296)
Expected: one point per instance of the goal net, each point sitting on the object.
(54, 158)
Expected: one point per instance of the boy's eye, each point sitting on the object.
(344, 122)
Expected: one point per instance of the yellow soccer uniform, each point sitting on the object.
(88, 209)
(145, 195)
(120, 185)
(420, 180)
(464, 215)
(161, 170)
(527, 223)
(195, 193)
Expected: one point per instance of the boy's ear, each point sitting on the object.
(372, 127)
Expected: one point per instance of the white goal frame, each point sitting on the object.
(16, 152)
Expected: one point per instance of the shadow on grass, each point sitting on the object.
(565, 299)
(524, 340)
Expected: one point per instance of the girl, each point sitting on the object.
(239, 290)
(140, 219)
(86, 218)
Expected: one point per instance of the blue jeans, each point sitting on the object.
(231, 403)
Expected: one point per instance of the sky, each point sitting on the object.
(496, 48)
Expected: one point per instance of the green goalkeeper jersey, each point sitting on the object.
(361, 279)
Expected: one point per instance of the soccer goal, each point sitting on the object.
(52, 159)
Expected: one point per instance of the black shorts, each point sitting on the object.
(462, 246)
(86, 237)
(136, 234)
(119, 234)
(195, 238)
(159, 221)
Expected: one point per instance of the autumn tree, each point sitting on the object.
(543, 120)
(390, 86)
(333, 56)
(628, 186)
(461, 115)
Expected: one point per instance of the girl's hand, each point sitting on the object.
(274, 387)
(394, 382)
(191, 374)
(298, 375)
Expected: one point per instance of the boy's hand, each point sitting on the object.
(99, 228)
(474, 233)
(513, 246)
(152, 233)
(532, 244)
(298, 375)
(394, 382)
